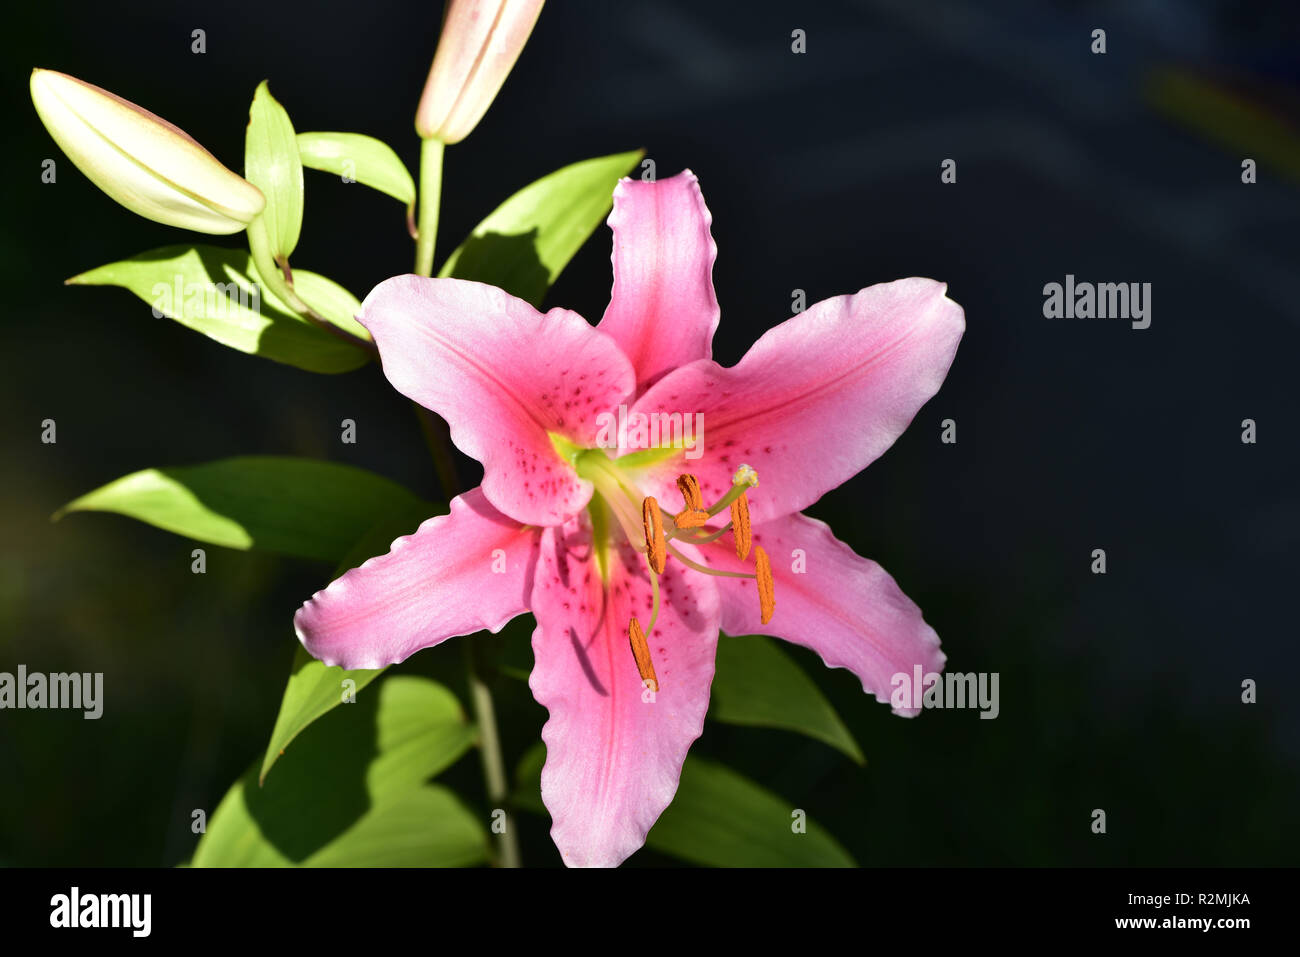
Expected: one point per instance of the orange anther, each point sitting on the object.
(653, 522)
(641, 652)
(690, 489)
(766, 586)
(691, 518)
(740, 526)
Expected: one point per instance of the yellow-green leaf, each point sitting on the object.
(272, 164)
(220, 293)
(531, 237)
(758, 684)
(718, 818)
(313, 686)
(302, 507)
(353, 792)
(358, 158)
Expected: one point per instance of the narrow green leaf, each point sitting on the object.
(219, 293)
(272, 164)
(353, 793)
(301, 507)
(719, 818)
(360, 158)
(758, 684)
(315, 688)
(531, 237)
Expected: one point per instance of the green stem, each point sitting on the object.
(430, 199)
(494, 766)
(278, 278)
(436, 435)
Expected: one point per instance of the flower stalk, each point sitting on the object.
(426, 234)
(494, 767)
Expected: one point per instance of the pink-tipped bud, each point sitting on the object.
(480, 42)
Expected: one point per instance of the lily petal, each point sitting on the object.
(817, 398)
(663, 310)
(468, 570)
(503, 375)
(842, 606)
(614, 751)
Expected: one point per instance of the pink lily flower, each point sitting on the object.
(570, 528)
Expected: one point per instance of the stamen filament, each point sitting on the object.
(654, 608)
(620, 504)
(595, 466)
(699, 538)
(705, 568)
(598, 461)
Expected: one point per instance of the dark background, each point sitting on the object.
(1120, 691)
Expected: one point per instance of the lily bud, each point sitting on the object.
(142, 161)
(480, 42)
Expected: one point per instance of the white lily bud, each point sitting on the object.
(480, 42)
(142, 161)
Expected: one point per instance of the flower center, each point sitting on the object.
(652, 532)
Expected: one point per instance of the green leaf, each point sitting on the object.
(719, 818)
(219, 293)
(531, 237)
(302, 507)
(758, 684)
(722, 819)
(331, 301)
(315, 688)
(527, 795)
(362, 158)
(401, 517)
(272, 164)
(353, 793)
